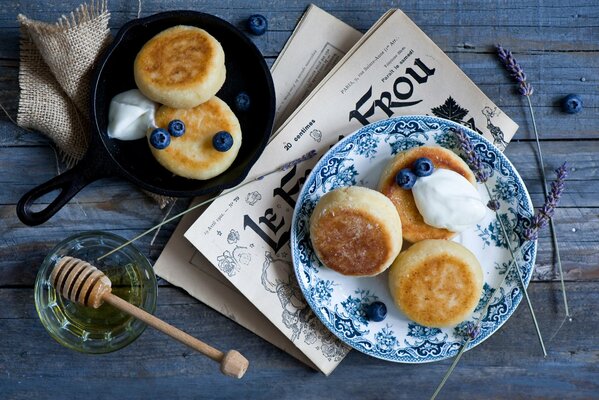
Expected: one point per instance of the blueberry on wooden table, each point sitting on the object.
(572, 104)
(257, 24)
(160, 138)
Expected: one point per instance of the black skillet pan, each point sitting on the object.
(246, 71)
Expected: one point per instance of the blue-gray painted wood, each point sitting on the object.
(557, 42)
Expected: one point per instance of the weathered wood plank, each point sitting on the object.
(551, 13)
(155, 367)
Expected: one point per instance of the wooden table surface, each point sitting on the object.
(556, 41)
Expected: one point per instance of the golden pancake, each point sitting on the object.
(414, 228)
(193, 155)
(355, 231)
(180, 67)
(436, 283)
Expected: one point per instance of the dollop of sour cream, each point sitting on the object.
(130, 115)
(448, 200)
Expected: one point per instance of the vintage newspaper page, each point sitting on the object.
(318, 42)
(394, 69)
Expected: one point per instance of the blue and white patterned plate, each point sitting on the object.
(340, 301)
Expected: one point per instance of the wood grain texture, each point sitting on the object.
(507, 365)
(556, 42)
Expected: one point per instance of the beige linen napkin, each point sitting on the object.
(54, 75)
(56, 63)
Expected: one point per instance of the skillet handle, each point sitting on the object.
(69, 183)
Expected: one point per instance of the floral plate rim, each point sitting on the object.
(529, 251)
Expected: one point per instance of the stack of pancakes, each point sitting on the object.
(183, 68)
(359, 232)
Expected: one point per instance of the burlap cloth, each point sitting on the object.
(56, 63)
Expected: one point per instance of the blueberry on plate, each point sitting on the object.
(160, 138)
(423, 167)
(222, 141)
(176, 128)
(572, 104)
(405, 178)
(257, 24)
(242, 102)
(376, 311)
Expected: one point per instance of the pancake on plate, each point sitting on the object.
(355, 231)
(193, 155)
(436, 283)
(180, 67)
(414, 228)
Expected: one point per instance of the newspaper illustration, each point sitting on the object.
(394, 69)
(321, 39)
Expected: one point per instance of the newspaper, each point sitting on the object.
(393, 69)
(317, 43)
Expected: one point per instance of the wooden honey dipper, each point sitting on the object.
(83, 283)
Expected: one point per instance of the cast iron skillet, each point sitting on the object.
(246, 71)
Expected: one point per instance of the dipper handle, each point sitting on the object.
(232, 363)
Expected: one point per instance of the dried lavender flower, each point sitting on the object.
(494, 204)
(472, 330)
(472, 158)
(303, 158)
(515, 70)
(543, 216)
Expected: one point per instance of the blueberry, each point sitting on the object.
(242, 102)
(222, 141)
(160, 138)
(376, 311)
(423, 167)
(405, 178)
(572, 104)
(257, 24)
(176, 128)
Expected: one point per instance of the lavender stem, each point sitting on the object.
(551, 224)
(451, 368)
(520, 278)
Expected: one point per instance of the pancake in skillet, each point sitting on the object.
(436, 283)
(193, 154)
(180, 67)
(355, 231)
(414, 228)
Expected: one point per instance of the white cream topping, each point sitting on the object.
(130, 115)
(448, 200)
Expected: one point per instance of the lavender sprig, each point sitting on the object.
(526, 90)
(472, 158)
(473, 330)
(474, 162)
(303, 158)
(515, 70)
(544, 215)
